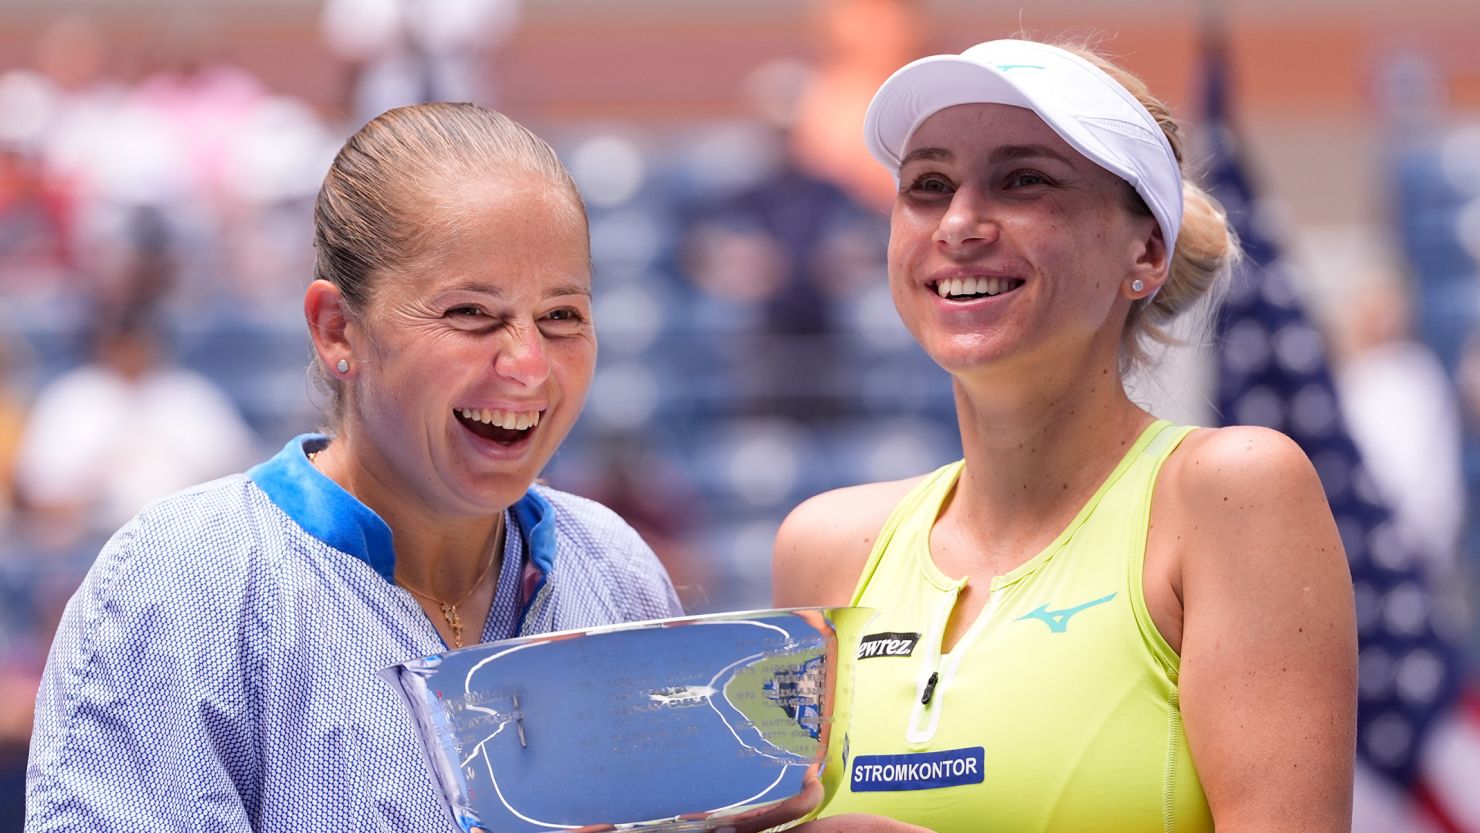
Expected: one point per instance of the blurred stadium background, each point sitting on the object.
(159, 159)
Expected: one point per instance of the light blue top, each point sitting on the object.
(217, 668)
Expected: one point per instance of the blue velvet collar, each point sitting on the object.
(336, 517)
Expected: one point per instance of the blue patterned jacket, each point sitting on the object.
(216, 671)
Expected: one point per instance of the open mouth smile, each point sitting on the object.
(967, 289)
(500, 426)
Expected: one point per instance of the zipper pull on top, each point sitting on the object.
(929, 688)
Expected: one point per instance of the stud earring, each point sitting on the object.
(1136, 286)
(342, 366)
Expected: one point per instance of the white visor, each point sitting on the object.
(1087, 108)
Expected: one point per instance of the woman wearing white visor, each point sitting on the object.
(1096, 620)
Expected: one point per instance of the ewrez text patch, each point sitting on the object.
(887, 645)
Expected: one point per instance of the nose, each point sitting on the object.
(521, 356)
(966, 220)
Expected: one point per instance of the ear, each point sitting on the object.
(329, 326)
(1151, 264)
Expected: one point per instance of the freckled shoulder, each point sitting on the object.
(1236, 469)
(824, 543)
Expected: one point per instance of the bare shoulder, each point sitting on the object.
(1249, 496)
(1213, 461)
(823, 544)
(1229, 472)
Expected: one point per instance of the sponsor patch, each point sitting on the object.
(918, 770)
(887, 645)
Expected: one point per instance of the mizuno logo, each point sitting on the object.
(887, 645)
(1010, 67)
(1058, 620)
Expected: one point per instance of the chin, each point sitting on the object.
(481, 490)
(961, 356)
(504, 489)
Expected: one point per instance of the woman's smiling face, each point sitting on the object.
(1006, 242)
(473, 363)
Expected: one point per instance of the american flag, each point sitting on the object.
(1418, 742)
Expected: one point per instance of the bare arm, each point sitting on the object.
(825, 542)
(1268, 674)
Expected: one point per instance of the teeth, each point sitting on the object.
(511, 420)
(956, 287)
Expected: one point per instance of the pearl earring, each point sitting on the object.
(342, 366)
(1136, 286)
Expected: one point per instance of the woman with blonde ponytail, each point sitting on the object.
(1096, 620)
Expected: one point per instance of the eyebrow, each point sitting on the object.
(1002, 153)
(1009, 153)
(495, 291)
(927, 154)
(569, 289)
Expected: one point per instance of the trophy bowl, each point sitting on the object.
(697, 723)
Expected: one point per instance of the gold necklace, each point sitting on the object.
(449, 609)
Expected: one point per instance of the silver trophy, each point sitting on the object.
(676, 725)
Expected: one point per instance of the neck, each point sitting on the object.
(447, 566)
(1036, 451)
(439, 554)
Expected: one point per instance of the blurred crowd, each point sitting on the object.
(155, 240)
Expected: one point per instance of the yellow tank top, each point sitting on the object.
(1056, 711)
